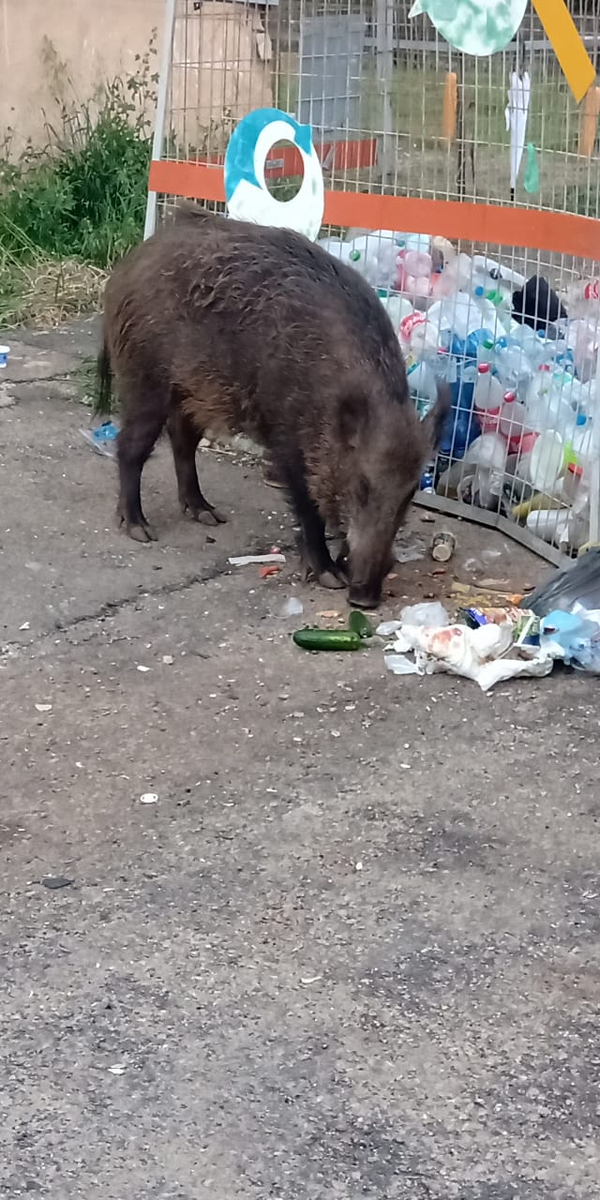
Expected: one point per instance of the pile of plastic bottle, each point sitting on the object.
(520, 437)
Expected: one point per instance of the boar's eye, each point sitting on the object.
(363, 491)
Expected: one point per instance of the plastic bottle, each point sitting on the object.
(493, 270)
(420, 242)
(480, 346)
(544, 464)
(103, 438)
(550, 524)
(422, 387)
(461, 426)
(374, 255)
(526, 337)
(554, 350)
(490, 315)
(552, 402)
(487, 399)
(582, 338)
(573, 484)
(419, 335)
(578, 451)
(427, 483)
(577, 636)
(513, 425)
(536, 400)
(501, 301)
(512, 365)
(488, 454)
(455, 275)
(397, 308)
(416, 262)
(585, 289)
(486, 353)
(460, 315)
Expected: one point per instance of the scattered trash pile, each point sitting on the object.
(521, 364)
(488, 643)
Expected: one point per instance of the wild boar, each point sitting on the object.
(215, 324)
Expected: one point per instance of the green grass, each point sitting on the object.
(81, 200)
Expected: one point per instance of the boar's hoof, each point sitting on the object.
(327, 579)
(205, 516)
(327, 576)
(142, 533)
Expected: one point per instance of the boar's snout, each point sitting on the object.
(366, 573)
(371, 547)
(365, 598)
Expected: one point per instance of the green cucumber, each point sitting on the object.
(360, 624)
(327, 639)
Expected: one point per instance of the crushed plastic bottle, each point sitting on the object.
(577, 637)
(102, 439)
(488, 455)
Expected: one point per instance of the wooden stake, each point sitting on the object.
(450, 107)
(588, 128)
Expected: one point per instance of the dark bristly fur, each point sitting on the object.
(216, 324)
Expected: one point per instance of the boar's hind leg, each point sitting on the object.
(316, 559)
(134, 445)
(184, 437)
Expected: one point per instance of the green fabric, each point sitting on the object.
(478, 27)
(532, 171)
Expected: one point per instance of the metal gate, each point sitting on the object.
(493, 160)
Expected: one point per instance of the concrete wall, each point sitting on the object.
(66, 48)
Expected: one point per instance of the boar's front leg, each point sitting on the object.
(315, 557)
(185, 436)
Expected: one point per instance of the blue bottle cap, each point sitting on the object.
(581, 419)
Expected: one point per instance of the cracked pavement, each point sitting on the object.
(353, 949)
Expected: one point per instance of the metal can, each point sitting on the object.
(443, 545)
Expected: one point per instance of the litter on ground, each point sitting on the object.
(490, 638)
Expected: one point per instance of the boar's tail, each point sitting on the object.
(436, 417)
(103, 399)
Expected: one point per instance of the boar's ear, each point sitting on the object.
(352, 415)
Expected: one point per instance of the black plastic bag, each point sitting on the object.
(578, 582)
(537, 305)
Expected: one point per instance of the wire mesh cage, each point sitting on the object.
(465, 188)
